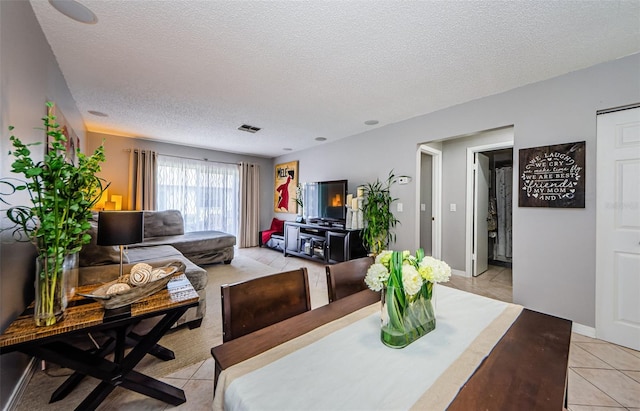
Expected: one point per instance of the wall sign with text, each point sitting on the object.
(552, 176)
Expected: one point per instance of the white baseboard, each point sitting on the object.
(583, 330)
(21, 386)
(459, 272)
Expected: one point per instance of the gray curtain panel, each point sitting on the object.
(249, 205)
(142, 180)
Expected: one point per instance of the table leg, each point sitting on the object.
(77, 377)
(72, 382)
(118, 353)
(114, 374)
(131, 340)
(157, 350)
(148, 341)
(95, 398)
(150, 387)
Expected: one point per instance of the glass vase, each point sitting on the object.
(50, 292)
(406, 318)
(70, 274)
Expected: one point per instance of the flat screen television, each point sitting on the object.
(324, 201)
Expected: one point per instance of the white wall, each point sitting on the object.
(29, 77)
(553, 249)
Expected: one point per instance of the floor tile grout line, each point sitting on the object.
(602, 391)
(612, 366)
(593, 368)
(605, 361)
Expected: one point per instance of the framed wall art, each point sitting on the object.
(285, 183)
(552, 176)
(73, 142)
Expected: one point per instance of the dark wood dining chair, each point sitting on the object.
(250, 305)
(347, 278)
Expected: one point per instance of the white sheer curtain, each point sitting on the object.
(206, 193)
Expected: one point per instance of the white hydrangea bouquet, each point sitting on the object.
(407, 284)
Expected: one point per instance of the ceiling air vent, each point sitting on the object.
(248, 128)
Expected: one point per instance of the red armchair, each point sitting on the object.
(277, 228)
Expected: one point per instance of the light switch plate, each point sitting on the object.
(452, 207)
(399, 207)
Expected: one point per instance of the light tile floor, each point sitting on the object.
(602, 376)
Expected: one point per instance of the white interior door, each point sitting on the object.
(618, 228)
(480, 213)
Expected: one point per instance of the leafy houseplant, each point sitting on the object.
(378, 218)
(62, 195)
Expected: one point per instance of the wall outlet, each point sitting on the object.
(399, 207)
(452, 207)
(423, 207)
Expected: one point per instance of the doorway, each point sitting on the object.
(428, 207)
(499, 218)
(489, 207)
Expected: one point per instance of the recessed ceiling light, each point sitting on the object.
(371, 122)
(321, 139)
(287, 149)
(75, 11)
(97, 113)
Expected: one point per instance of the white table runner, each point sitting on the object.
(350, 369)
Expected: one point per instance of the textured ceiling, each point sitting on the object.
(192, 72)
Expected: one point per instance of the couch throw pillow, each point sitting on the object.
(93, 254)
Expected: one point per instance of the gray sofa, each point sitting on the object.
(201, 247)
(164, 242)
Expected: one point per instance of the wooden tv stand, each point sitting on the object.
(329, 244)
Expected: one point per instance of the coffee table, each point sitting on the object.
(54, 343)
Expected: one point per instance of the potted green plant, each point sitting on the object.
(62, 195)
(378, 218)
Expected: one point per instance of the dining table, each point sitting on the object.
(483, 354)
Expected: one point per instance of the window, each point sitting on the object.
(206, 193)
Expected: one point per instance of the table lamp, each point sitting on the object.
(120, 228)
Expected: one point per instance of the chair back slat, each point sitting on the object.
(347, 278)
(254, 304)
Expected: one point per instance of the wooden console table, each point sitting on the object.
(86, 315)
(329, 244)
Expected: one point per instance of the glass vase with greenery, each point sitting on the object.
(62, 195)
(378, 218)
(407, 283)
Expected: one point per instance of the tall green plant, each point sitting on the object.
(62, 195)
(378, 218)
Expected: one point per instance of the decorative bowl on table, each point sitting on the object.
(141, 282)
